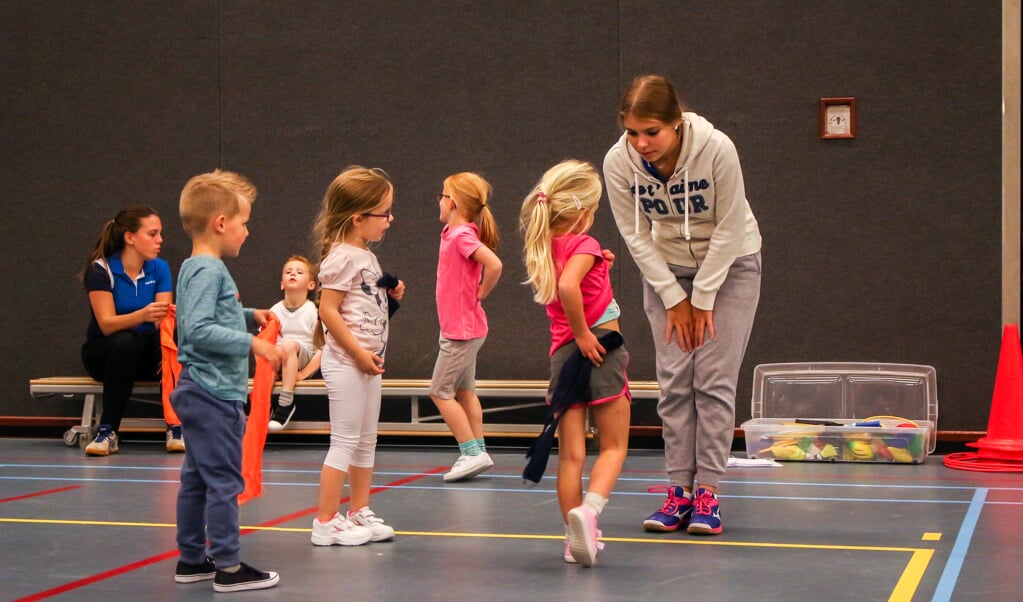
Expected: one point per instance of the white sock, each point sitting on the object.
(285, 398)
(595, 501)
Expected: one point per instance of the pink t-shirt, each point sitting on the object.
(595, 287)
(355, 271)
(459, 311)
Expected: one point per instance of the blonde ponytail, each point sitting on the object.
(567, 194)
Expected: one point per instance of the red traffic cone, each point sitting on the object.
(1004, 440)
(1002, 448)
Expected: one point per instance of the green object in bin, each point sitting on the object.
(916, 446)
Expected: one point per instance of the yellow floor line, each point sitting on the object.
(691, 542)
(904, 589)
(911, 576)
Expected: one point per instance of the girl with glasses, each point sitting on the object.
(353, 309)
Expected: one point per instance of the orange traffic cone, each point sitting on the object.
(1001, 450)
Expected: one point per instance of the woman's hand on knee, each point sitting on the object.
(679, 321)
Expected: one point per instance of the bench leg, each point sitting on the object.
(414, 409)
(82, 433)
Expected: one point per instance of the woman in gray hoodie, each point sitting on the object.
(677, 195)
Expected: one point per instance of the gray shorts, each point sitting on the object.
(608, 382)
(305, 355)
(455, 369)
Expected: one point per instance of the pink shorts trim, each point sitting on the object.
(596, 402)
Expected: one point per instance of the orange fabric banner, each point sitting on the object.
(259, 417)
(170, 369)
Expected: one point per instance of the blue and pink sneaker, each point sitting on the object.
(674, 513)
(706, 517)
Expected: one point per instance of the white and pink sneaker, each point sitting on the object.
(583, 535)
(366, 518)
(339, 531)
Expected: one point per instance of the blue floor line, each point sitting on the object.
(480, 489)
(949, 577)
(518, 477)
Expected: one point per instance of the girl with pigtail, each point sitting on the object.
(467, 271)
(568, 273)
(130, 291)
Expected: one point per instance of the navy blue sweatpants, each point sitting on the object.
(211, 475)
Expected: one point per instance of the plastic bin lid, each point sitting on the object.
(845, 390)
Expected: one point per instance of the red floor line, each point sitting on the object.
(60, 589)
(38, 493)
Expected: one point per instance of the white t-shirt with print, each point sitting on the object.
(355, 271)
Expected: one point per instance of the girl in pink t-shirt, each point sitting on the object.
(568, 273)
(467, 270)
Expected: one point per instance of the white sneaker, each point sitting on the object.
(583, 535)
(175, 440)
(468, 467)
(366, 518)
(339, 531)
(104, 444)
(280, 417)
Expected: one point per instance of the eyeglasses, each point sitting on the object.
(386, 215)
(441, 196)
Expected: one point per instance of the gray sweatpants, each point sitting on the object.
(697, 403)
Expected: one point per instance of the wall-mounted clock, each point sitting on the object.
(837, 117)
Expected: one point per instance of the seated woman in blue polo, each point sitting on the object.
(130, 291)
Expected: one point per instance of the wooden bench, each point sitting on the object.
(411, 390)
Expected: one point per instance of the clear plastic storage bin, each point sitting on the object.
(843, 412)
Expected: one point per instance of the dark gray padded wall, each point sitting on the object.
(422, 94)
(103, 104)
(880, 249)
(884, 248)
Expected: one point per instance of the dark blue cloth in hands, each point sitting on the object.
(389, 281)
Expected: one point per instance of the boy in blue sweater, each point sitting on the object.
(213, 348)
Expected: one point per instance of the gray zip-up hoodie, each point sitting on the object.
(700, 218)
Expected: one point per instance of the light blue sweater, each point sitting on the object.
(213, 338)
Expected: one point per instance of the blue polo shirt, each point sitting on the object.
(129, 295)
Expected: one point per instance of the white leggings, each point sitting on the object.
(354, 399)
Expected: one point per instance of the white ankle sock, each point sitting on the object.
(595, 501)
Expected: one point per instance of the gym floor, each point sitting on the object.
(80, 528)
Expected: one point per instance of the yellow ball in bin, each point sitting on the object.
(900, 454)
(786, 451)
(861, 450)
(791, 452)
